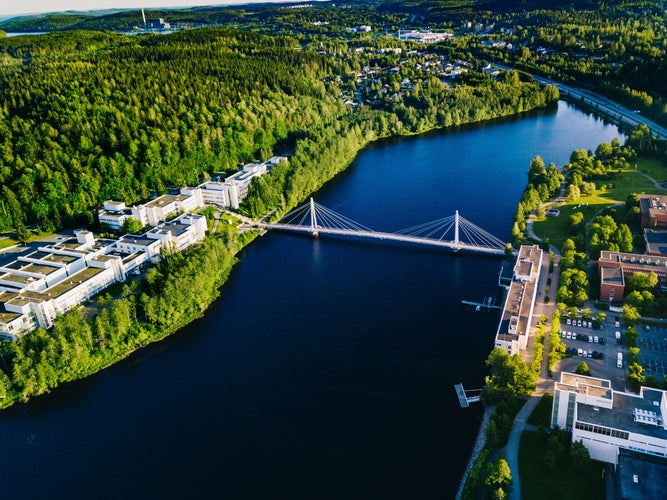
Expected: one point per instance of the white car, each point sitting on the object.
(617, 324)
(569, 321)
(569, 336)
(596, 339)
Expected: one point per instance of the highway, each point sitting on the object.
(608, 106)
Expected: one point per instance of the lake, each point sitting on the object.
(326, 368)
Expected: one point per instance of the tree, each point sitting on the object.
(642, 281)
(630, 336)
(581, 457)
(498, 475)
(573, 193)
(629, 314)
(132, 226)
(582, 369)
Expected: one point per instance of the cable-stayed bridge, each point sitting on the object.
(453, 232)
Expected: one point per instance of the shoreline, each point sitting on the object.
(480, 443)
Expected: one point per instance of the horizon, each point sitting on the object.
(41, 7)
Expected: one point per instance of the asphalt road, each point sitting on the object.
(607, 106)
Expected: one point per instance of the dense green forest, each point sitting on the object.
(90, 116)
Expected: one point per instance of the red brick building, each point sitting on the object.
(615, 267)
(654, 210)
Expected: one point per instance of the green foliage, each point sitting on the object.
(182, 286)
(630, 314)
(642, 281)
(509, 375)
(498, 477)
(583, 369)
(605, 234)
(581, 457)
(573, 288)
(475, 476)
(132, 226)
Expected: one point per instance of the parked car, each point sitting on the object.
(596, 339)
(590, 354)
(590, 324)
(579, 322)
(617, 324)
(602, 340)
(584, 353)
(590, 339)
(569, 335)
(563, 334)
(579, 352)
(569, 321)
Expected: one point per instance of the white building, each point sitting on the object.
(607, 421)
(159, 209)
(114, 214)
(37, 287)
(423, 36)
(215, 193)
(517, 315)
(180, 233)
(234, 189)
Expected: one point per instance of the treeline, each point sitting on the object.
(172, 294)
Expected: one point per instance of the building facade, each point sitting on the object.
(608, 421)
(517, 315)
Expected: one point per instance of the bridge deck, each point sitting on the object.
(387, 236)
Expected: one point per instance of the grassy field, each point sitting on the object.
(607, 193)
(542, 413)
(538, 483)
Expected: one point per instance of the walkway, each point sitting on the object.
(512, 449)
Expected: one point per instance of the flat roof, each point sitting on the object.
(612, 275)
(656, 242)
(634, 260)
(621, 415)
(52, 257)
(8, 317)
(17, 278)
(137, 240)
(72, 282)
(175, 229)
(650, 473)
(165, 199)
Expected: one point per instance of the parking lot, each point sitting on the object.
(652, 343)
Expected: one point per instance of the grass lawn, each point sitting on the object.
(542, 413)
(538, 483)
(608, 192)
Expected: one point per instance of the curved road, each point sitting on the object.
(608, 106)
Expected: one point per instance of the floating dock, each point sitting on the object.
(487, 302)
(464, 400)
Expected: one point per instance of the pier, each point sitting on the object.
(488, 302)
(464, 400)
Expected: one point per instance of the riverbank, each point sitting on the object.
(478, 447)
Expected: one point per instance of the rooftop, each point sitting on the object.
(165, 199)
(612, 276)
(656, 242)
(635, 260)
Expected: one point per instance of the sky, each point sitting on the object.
(18, 7)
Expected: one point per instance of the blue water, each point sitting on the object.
(326, 368)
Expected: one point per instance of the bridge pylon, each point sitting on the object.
(313, 217)
(456, 232)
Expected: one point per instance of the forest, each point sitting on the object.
(91, 116)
